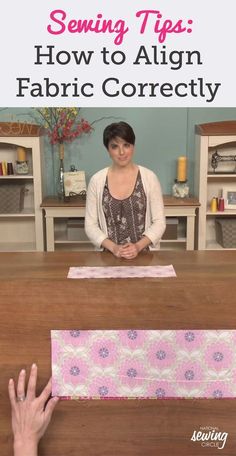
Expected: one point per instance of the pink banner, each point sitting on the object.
(144, 364)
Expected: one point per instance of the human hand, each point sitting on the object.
(30, 414)
(116, 250)
(129, 251)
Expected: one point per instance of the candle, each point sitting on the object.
(4, 168)
(182, 169)
(21, 154)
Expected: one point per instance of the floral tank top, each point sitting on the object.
(125, 218)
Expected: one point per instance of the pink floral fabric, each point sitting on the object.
(135, 363)
(120, 272)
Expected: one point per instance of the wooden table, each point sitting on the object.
(174, 207)
(36, 296)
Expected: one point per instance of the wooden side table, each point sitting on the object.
(174, 207)
(186, 207)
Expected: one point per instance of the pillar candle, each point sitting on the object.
(4, 168)
(21, 154)
(182, 169)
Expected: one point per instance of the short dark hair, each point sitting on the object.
(120, 130)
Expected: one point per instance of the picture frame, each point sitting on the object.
(229, 195)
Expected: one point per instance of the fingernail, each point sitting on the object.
(34, 366)
(11, 380)
(22, 372)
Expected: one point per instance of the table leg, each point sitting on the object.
(50, 234)
(190, 232)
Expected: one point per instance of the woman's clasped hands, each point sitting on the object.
(128, 251)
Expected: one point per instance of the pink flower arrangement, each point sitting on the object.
(63, 124)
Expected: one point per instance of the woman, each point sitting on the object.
(124, 208)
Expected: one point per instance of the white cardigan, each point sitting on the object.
(95, 222)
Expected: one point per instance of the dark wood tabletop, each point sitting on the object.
(36, 296)
(78, 201)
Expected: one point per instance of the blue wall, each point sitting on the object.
(162, 135)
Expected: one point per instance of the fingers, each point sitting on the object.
(129, 251)
(32, 382)
(21, 384)
(46, 392)
(31, 389)
(124, 247)
(12, 392)
(128, 257)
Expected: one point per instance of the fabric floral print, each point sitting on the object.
(219, 356)
(119, 272)
(103, 352)
(134, 363)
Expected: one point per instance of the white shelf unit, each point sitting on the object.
(220, 136)
(23, 231)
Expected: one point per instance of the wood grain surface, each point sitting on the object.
(36, 296)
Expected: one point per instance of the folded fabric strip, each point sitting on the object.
(120, 272)
(143, 364)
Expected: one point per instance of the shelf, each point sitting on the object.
(210, 183)
(17, 247)
(220, 176)
(16, 176)
(22, 231)
(224, 213)
(173, 246)
(24, 213)
(66, 241)
(73, 246)
(213, 245)
(173, 241)
(61, 238)
(176, 244)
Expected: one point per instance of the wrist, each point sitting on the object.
(114, 248)
(110, 245)
(138, 246)
(143, 243)
(25, 447)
